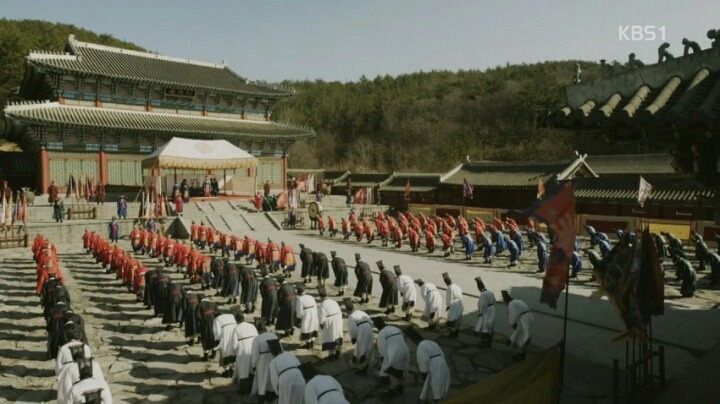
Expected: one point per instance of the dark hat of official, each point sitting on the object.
(380, 265)
(85, 368)
(333, 253)
(349, 306)
(260, 324)
(506, 296)
(238, 314)
(357, 256)
(397, 269)
(301, 245)
(420, 282)
(300, 289)
(322, 291)
(446, 278)
(479, 282)
(263, 270)
(77, 352)
(379, 322)
(73, 333)
(275, 347)
(280, 279)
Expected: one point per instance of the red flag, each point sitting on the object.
(467, 189)
(407, 190)
(558, 212)
(361, 196)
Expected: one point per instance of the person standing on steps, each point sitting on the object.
(58, 210)
(53, 192)
(114, 230)
(122, 207)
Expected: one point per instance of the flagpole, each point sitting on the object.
(564, 337)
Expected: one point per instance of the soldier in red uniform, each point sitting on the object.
(359, 230)
(139, 282)
(273, 255)
(237, 247)
(321, 224)
(249, 250)
(194, 233)
(260, 252)
(135, 239)
(332, 226)
(384, 230)
(345, 229)
(398, 237)
(287, 260)
(414, 239)
(369, 231)
(202, 236)
(192, 263)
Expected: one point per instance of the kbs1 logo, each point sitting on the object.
(641, 33)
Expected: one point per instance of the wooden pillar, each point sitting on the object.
(103, 165)
(44, 170)
(283, 174)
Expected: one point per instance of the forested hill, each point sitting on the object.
(426, 121)
(18, 38)
(429, 121)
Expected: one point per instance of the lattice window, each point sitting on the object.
(124, 172)
(57, 171)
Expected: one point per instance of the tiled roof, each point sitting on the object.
(52, 113)
(677, 93)
(107, 61)
(336, 176)
(631, 164)
(325, 175)
(506, 174)
(419, 182)
(368, 179)
(676, 188)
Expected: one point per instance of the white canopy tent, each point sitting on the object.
(201, 156)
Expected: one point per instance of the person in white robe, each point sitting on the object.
(433, 303)
(287, 379)
(71, 375)
(261, 358)
(307, 313)
(432, 365)
(395, 356)
(87, 390)
(360, 328)
(331, 324)
(323, 389)
(485, 325)
(521, 320)
(65, 353)
(454, 299)
(243, 334)
(408, 292)
(223, 327)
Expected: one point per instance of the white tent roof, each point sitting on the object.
(199, 155)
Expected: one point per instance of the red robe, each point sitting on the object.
(273, 252)
(287, 255)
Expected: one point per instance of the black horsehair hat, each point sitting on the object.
(446, 278)
(349, 306)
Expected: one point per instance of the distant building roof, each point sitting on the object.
(100, 60)
(368, 179)
(678, 93)
(677, 188)
(419, 182)
(201, 126)
(506, 174)
(661, 163)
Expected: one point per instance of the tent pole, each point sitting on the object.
(564, 338)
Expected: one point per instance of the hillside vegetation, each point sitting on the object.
(425, 121)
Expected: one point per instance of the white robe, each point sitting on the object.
(223, 327)
(287, 379)
(393, 350)
(243, 334)
(64, 356)
(323, 389)
(433, 300)
(70, 375)
(431, 360)
(306, 311)
(261, 358)
(360, 328)
(486, 312)
(519, 313)
(330, 317)
(454, 299)
(76, 393)
(407, 288)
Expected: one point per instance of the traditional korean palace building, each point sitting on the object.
(672, 105)
(606, 190)
(96, 111)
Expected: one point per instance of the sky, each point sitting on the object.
(339, 40)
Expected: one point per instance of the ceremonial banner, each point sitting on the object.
(644, 191)
(407, 190)
(467, 189)
(311, 183)
(541, 189)
(360, 196)
(558, 212)
(534, 380)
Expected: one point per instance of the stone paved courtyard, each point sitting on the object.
(144, 363)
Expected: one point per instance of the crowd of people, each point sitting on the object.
(80, 378)
(241, 268)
